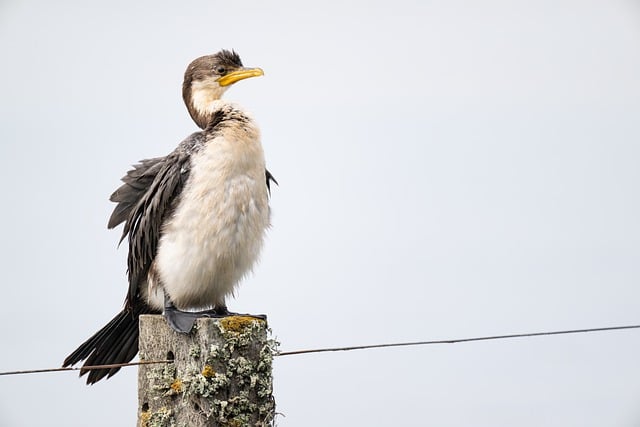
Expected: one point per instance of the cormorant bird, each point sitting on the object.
(195, 219)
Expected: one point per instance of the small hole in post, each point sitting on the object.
(145, 407)
(170, 355)
(196, 406)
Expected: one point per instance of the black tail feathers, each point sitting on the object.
(116, 342)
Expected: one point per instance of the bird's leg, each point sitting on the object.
(180, 321)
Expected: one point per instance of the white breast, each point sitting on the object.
(216, 233)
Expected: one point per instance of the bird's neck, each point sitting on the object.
(202, 101)
(204, 113)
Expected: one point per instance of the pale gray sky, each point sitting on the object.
(446, 168)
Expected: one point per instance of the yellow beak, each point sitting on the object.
(241, 74)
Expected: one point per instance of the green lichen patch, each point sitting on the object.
(198, 385)
(194, 351)
(241, 367)
(163, 417)
(163, 381)
(267, 352)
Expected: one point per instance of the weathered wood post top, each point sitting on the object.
(221, 375)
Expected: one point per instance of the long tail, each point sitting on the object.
(116, 342)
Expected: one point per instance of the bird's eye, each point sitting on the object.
(220, 70)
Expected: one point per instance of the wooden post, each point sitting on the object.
(221, 375)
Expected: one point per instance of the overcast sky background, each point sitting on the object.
(447, 169)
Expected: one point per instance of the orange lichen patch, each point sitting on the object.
(208, 371)
(176, 385)
(145, 416)
(238, 323)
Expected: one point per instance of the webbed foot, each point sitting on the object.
(180, 321)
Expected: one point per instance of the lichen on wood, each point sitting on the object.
(221, 374)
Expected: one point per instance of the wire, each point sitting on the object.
(85, 368)
(459, 340)
(359, 347)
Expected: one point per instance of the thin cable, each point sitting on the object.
(86, 368)
(459, 340)
(360, 347)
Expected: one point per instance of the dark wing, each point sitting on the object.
(136, 182)
(270, 179)
(146, 199)
(149, 193)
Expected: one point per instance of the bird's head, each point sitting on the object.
(207, 78)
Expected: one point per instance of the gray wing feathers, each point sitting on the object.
(136, 182)
(146, 198)
(145, 220)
